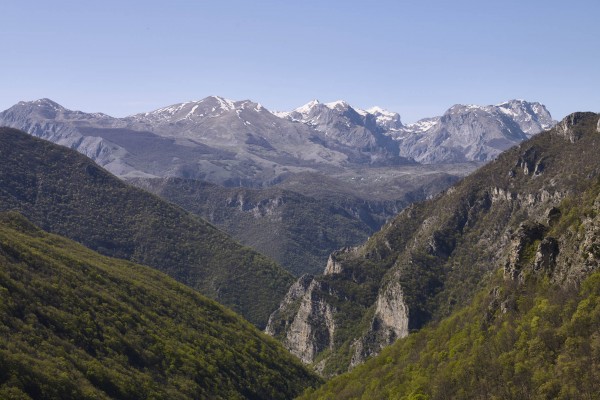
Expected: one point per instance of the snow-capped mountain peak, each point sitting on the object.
(339, 105)
(531, 116)
(314, 110)
(305, 109)
(379, 110)
(315, 113)
(211, 106)
(473, 132)
(385, 119)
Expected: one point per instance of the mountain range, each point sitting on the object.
(241, 143)
(463, 133)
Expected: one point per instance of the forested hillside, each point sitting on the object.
(66, 193)
(78, 325)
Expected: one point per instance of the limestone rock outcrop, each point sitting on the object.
(389, 323)
(568, 127)
(311, 329)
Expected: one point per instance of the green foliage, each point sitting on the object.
(78, 325)
(548, 347)
(66, 193)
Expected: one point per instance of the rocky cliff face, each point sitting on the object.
(509, 215)
(530, 332)
(570, 127)
(312, 328)
(334, 264)
(389, 323)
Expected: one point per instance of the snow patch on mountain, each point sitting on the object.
(226, 104)
(423, 125)
(337, 105)
(385, 119)
(307, 107)
(47, 103)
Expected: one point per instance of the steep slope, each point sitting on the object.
(530, 333)
(471, 132)
(433, 257)
(66, 193)
(78, 325)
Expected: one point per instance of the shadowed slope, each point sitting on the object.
(66, 193)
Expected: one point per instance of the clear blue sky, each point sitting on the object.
(414, 57)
